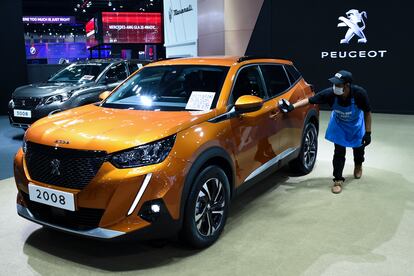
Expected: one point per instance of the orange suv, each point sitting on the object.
(167, 150)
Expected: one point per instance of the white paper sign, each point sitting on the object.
(200, 100)
(87, 77)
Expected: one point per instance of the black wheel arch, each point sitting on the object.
(312, 117)
(212, 156)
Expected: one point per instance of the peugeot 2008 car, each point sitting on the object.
(167, 150)
(78, 84)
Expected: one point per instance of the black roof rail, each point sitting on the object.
(244, 58)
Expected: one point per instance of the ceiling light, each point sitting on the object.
(109, 3)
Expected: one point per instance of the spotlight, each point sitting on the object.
(109, 3)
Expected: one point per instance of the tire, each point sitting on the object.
(305, 162)
(206, 208)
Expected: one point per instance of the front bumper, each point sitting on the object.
(38, 112)
(97, 232)
(115, 193)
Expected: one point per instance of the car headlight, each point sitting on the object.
(11, 103)
(57, 98)
(148, 154)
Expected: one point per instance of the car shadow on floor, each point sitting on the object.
(130, 255)
(306, 200)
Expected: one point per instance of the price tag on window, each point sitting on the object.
(200, 100)
(87, 77)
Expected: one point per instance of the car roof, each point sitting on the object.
(218, 60)
(107, 61)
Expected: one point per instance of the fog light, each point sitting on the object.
(151, 210)
(155, 208)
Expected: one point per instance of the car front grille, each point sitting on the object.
(27, 103)
(68, 168)
(82, 219)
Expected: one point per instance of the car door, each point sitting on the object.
(281, 86)
(255, 143)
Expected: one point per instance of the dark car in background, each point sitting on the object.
(78, 84)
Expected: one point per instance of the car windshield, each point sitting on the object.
(170, 88)
(79, 73)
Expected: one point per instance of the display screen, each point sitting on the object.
(131, 27)
(90, 33)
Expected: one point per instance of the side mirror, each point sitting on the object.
(104, 95)
(248, 103)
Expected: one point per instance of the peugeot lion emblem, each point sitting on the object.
(23, 102)
(354, 20)
(55, 164)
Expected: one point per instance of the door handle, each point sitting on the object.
(274, 114)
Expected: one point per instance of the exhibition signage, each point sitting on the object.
(131, 27)
(49, 19)
(354, 25)
(369, 39)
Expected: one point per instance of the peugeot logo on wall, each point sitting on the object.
(55, 164)
(354, 20)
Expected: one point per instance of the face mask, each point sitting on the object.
(338, 90)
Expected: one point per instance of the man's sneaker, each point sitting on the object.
(337, 187)
(358, 171)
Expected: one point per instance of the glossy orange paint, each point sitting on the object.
(251, 139)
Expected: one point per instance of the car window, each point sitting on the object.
(79, 73)
(170, 88)
(275, 78)
(293, 73)
(248, 82)
(116, 73)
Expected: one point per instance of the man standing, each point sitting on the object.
(350, 123)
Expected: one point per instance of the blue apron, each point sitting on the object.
(347, 126)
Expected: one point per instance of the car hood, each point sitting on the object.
(40, 90)
(93, 127)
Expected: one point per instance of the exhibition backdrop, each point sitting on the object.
(180, 28)
(13, 60)
(372, 39)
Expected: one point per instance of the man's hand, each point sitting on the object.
(366, 140)
(285, 106)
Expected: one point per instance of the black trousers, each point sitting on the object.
(339, 160)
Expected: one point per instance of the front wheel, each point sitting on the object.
(207, 207)
(305, 162)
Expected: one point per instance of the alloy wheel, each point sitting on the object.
(310, 148)
(209, 208)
